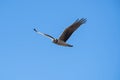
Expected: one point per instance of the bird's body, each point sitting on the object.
(66, 34)
(62, 43)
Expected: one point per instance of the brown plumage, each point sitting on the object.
(66, 33)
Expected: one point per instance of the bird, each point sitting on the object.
(62, 40)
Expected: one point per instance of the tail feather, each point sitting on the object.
(69, 45)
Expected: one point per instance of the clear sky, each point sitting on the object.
(25, 55)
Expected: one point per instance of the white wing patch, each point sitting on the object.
(43, 34)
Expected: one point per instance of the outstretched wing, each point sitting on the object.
(68, 31)
(50, 37)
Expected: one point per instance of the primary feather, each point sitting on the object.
(68, 31)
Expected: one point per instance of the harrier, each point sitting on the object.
(66, 33)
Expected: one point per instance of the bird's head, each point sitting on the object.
(55, 40)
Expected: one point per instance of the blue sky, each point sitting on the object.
(25, 55)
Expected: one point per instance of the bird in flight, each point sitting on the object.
(66, 33)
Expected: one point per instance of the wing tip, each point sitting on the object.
(35, 30)
(83, 20)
